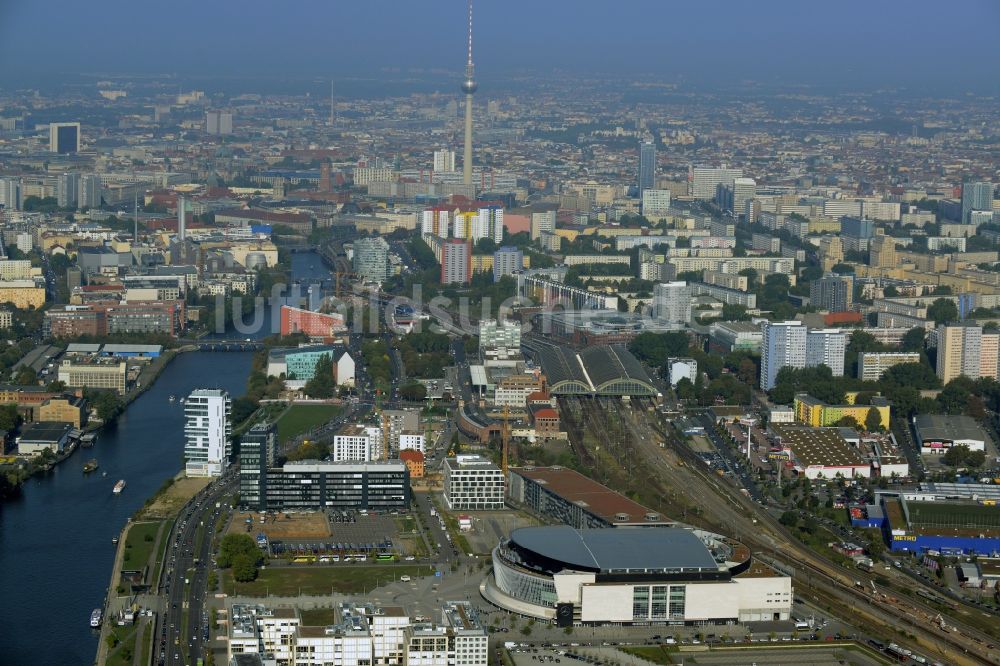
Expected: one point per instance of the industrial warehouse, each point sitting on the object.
(633, 575)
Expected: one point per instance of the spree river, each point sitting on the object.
(55, 539)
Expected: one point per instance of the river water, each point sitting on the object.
(55, 539)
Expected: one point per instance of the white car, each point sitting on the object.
(405, 579)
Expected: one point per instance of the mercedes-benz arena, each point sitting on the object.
(633, 575)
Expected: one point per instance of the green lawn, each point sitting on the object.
(318, 617)
(654, 653)
(300, 418)
(137, 547)
(346, 579)
(125, 652)
(162, 550)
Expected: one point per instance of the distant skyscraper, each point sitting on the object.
(68, 190)
(444, 161)
(219, 122)
(976, 196)
(258, 451)
(965, 349)
(64, 138)
(783, 344)
(655, 202)
(207, 429)
(744, 190)
(10, 193)
(705, 181)
(647, 167)
(469, 87)
(90, 192)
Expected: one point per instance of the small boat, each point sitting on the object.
(95, 617)
(119, 487)
(114, 540)
(183, 400)
(171, 398)
(103, 474)
(90, 466)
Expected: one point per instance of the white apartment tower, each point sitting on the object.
(783, 344)
(444, 161)
(827, 346)
(357, 442)
(672, 302)
(208, 428)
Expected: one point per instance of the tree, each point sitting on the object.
(942, 310)
(244, 567)
(9, 418)
(322, 384)
(913, 340)
(848, 422)
(685, 389)
(25, 376)
(234, 545)
(789, 519)
(56, 386)
(873, 421)
(414, 391)
(956, 455)
(890, 291)
(975, 458)
(486, 246)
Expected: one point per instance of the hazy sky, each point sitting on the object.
(872, 42)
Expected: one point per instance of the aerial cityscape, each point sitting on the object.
(442, 334)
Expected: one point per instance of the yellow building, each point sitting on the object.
(818, 414)
(882, 252)
(66, 408)
(22, 294)
(94, 375)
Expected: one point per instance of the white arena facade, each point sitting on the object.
(633, 575)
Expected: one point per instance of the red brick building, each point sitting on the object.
(313, 324)
(414, 462)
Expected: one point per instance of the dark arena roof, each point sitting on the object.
(600, 370)
(622, 550)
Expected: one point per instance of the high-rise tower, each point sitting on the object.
(469, 87)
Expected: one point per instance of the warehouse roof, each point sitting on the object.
(618, 550)
(818, 446)
(950, 428)
(589, 495)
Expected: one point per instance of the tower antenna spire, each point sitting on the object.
(469, 86)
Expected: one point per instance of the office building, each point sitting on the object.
(311, 484)
(826, 346)
(743, 191)
(499, 337)
(473, 483)
(507, 261)
(705, 181)
(207, 430)
(872, 365)
(313, 324)
(647, 166)
(64, 138)
(655, 203)
(371, 259)
(976, 196)
(832, 292)
(672, 302)
(783, 345)
(68, 190)
(965, 349)
(456, 261)
(856, 233)
(300, 363)
(543, 219)
(682, 368)
(444, 161)
(258, 451)
(98, 375)
(10, 193)
(357, 443)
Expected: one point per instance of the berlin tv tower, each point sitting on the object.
(469, 86)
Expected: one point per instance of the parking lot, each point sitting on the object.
(331, 536)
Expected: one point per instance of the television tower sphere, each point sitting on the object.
(469, 86)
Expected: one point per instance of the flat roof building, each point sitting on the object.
(473, 483)
(936, 433)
